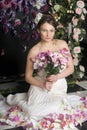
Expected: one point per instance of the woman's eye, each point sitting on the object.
(52, 30)
(44, 30)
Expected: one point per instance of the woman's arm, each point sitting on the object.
(32, 80)
(29, 72)
(68, 71)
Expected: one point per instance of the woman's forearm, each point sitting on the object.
(65, 73)
(34, 81)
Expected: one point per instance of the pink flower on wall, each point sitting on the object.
(77, 49)
(78, 11)
(76, 31)
(80, 4)
(76, 37)
(75, 61)
(75, 21)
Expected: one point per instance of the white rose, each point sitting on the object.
(77, 31)
(81, 74)
(84, 11)
(80, 4)
(38, 17)
(82, 17)
(77, 49)
(56, 7)
(82, 68)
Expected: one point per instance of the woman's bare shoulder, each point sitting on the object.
(34, 50)
(61, 43)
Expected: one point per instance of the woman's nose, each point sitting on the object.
(48, 33)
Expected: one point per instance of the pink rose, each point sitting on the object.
(77, 49)
(61, 116)
(63, 124)
(75, 61)
(75, 21)
(78, 11)
(44, 124)
(76, 37)
(77, 31)
(16, 118)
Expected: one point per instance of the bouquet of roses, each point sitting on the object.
(51, 62)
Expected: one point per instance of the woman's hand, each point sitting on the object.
(48, 85)
(52, 78)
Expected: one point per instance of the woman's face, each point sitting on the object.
(47, 32)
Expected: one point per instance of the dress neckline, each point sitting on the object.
(54, 51)
(61, 49)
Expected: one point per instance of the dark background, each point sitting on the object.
(13, 61)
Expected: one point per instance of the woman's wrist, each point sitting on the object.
(41, 84)
(57, 76)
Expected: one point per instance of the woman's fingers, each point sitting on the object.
(52, 78)
(48, 85)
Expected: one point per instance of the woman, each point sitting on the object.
(47, 29)
(47, 94)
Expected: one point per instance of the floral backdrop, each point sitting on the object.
(20, 17)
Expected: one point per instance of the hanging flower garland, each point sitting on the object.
(20, 17)
(70, 15)
(76, 36)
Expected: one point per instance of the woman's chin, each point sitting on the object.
(48, 40)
